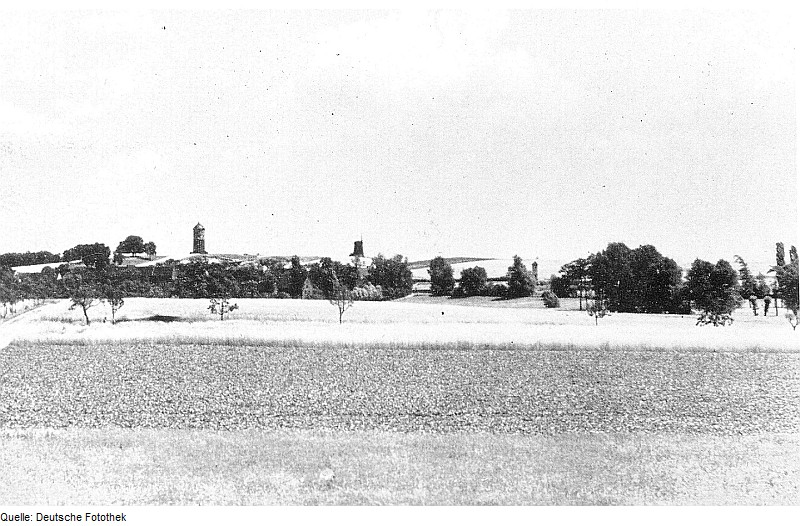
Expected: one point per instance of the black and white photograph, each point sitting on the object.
(397, 257)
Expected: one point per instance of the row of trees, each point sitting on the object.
(98, 280)
(91, 254)
(474, 281)
(628, 280)
(620, 279)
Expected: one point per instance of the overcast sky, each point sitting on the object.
(541, 133)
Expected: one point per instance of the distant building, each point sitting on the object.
(199, 238)
(358, 249)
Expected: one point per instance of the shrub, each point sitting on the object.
(550, 300)
(367, 292)
(473, 282)
(497, 290)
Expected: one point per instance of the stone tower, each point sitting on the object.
(199, 245)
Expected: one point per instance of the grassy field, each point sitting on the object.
(406, 403)
(253, 467)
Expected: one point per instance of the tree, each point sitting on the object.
(473, 282)
(792, 254)
(150, 249)
(16, 259)
(221, 286)
(291, 281)
(392, 275)
(787, 277)
(94, 256)
(767, 302)
(9, 291)
(598, 308)
(222, 306)
(341, 298)
(112, 287)
(577, 273)
(611, 276)
(714, 291)
(780, 254)
(520, 282)
(560, 286)
(747, 283)
(442, 280)
(84, 290)
(324, 273)
(654, 281)
(131, 245)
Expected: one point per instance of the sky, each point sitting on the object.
(546, 134)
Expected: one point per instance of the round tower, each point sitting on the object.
(199, 245)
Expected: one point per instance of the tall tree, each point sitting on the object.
(747, 283)
(291, 281)
(714, 291)
(793, 254)
(654, 280)
(780, 254)
(520, 282)
(611, 276)
(442, 280)
(577, 272)
(787, 277)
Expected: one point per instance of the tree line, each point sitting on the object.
(621, 279)
(474, 281)
(98, 280)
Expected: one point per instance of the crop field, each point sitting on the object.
(407, 403)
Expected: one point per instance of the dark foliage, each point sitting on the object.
(472, 282)
(550, 300)
(392, 275)
(95, 256)
(521, 283)
(16, 259)
(714, 291)
(442, 280)
(291, 281)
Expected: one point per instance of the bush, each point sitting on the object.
(498, 290)
(367, 292)
(473, 282)
(550, 300)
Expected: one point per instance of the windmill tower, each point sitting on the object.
(199, 239)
